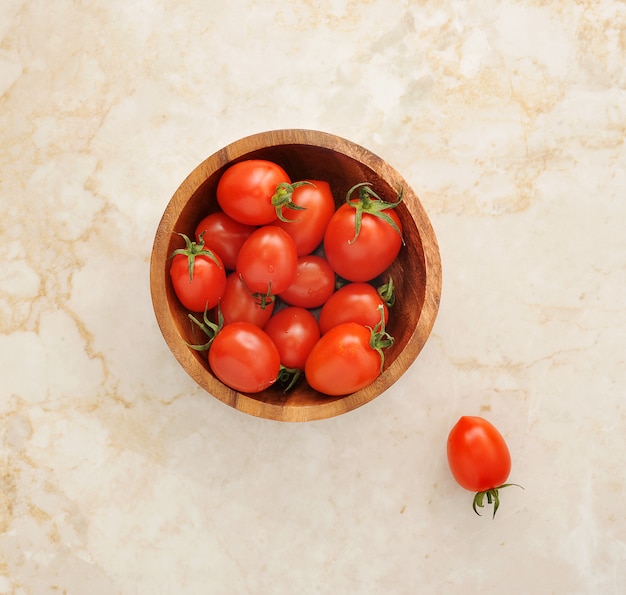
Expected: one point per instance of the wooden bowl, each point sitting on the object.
(304, 154)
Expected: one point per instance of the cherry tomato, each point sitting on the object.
(307, 224)
(198, 276)
(224, 236)
(243, 357)
(354, 302)
(479, 459)
(267, 261)
(363, 237)
(313, 284)
(238, 304)
(294, 331)
(346, 359)
(245, 190)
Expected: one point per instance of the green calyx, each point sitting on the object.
(283, 198)
(208, 327)
(387, 292)
(369, 202)
(493, 497)
(262, 299)
(380, 339)
(288, 377)
(193, 249)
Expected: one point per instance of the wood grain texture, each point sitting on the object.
(313, 155)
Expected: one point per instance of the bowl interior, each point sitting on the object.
(341, 168)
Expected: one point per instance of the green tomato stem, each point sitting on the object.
(193, 249)
(289, 377)
(379, 338)
(369, 202)
(283, 198)
(208, 327)
(387, 292)
(262, 299)
(493, 497)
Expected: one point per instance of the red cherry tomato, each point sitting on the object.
(239, 305)
(243, 357)
(343, 360)
(479, 458)
(245, 191)
(313, 284)
(307, 224)
(294, 331)
(362, 251)
(267, 261)
(224, 236)
(354, 302)
(198, 276)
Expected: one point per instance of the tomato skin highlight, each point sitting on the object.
(373, 251)
(313, 283)
(342, 361)
(354, 302)
(239, 305)
(223, 236)
(267, 261)
(245, 190)
(244, 358)
(478, 455)
(294, 331)
(205, 288)
(307, 226)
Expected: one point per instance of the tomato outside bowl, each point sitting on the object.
(304, 154)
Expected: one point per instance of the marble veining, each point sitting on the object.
(119, 475)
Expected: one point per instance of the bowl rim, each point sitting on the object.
(238, 150)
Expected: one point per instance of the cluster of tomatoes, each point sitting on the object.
(285, 281)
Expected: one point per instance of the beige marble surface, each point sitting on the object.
(119, 475)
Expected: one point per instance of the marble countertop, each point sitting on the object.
(118, 474)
